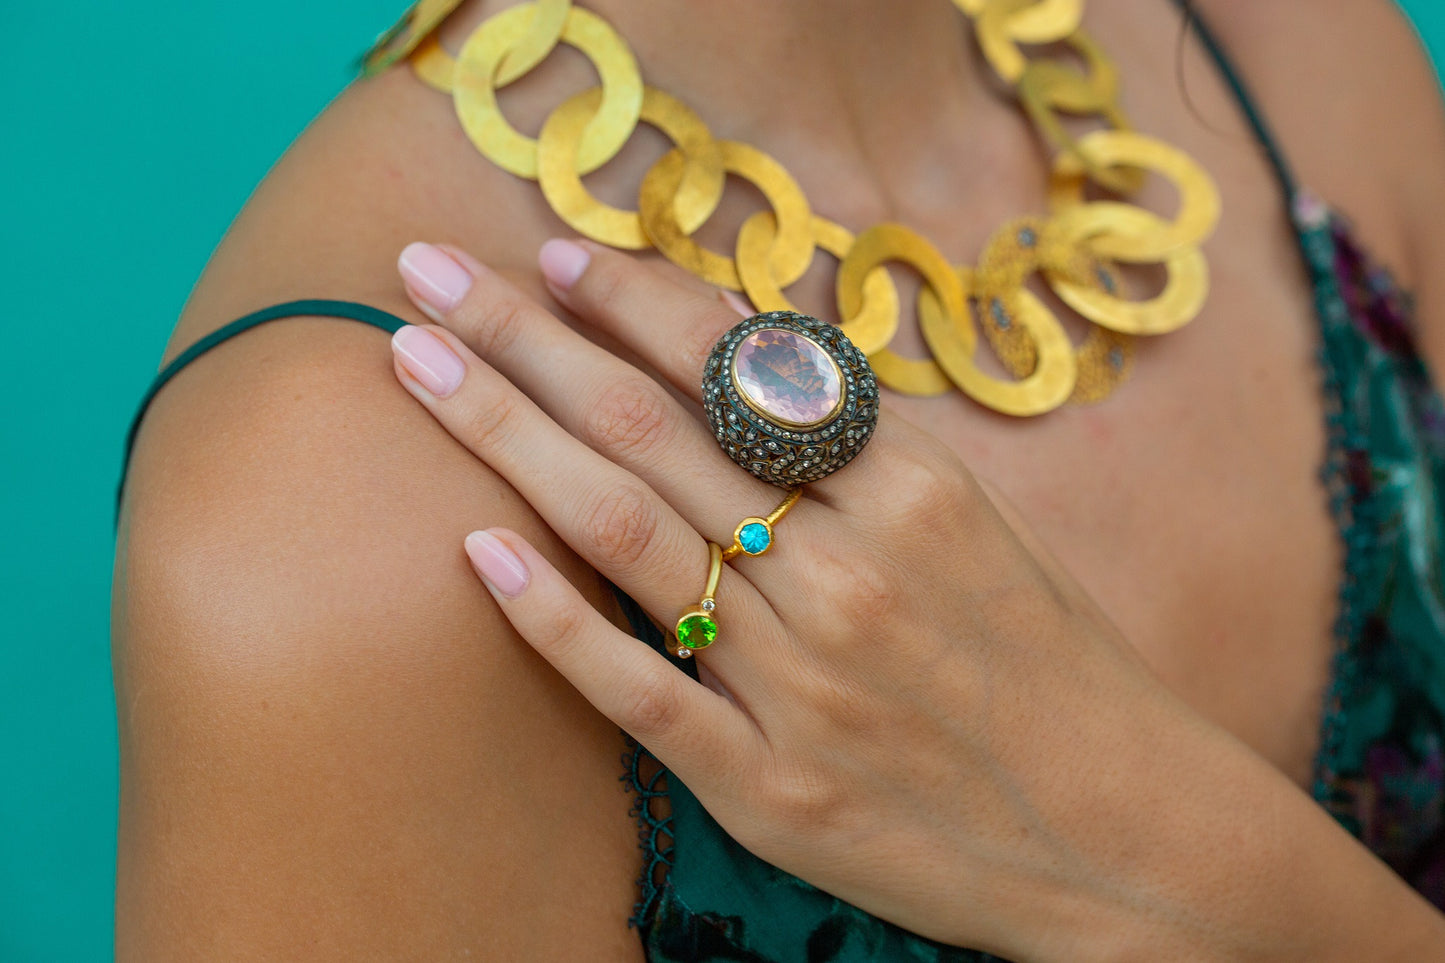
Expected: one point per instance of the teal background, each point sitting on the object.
(132, 134)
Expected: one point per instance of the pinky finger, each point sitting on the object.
(695, 732)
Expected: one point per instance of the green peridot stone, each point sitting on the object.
(696, 631)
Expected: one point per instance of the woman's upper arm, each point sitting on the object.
(332, 743)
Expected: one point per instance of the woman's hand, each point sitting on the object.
(909, 704)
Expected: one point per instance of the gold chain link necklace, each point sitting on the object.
(1075, 250)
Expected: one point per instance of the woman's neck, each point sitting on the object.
(869, 77)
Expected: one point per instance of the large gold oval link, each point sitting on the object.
(1001, 25)
(1184, 292)
(401, 38)
(868, 306)
(910, 376)
(1023, 334)
(1103, 222)
(1037, 91)
(868, 253)
(871, 311)
(1046, 388)
(436, 68)
(433, 66)
(1048, 87)
(999, 49)
(475, 95)
(792, 249)
(544, 32)
(1045, 21)
(1094, 91)
(870, 330)
(1049, 386)
(697, 195)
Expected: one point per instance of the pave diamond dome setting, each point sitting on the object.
(789, 397)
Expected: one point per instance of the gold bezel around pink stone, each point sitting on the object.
(789, 397)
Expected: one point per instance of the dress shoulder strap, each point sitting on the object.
(1247, 105)
(351, 310)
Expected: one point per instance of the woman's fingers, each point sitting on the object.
(600, 399)
(672, 327)
(609, 516)
(612, 292)
(697, 733)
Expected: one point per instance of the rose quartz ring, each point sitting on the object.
(789, 397)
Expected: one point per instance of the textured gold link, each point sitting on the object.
(1044, 389)
(1104, 360)
(893, 242)
(433, 65)
(544, 32)
(1108, 238)
(874, 316)
(475, 95)
(948, 328)
(1047, 87)
(1073, 250)
(999, 32)
(1184, 291)
(1018, 251)
(792, 250)
(401, 38)
(696, 198)
(436, 67)
(1035, 21)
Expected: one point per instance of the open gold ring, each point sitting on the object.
(697, 627)
(754, 535)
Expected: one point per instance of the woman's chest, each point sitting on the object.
(1189, 503)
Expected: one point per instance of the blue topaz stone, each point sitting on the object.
(755, 538)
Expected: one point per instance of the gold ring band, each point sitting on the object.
(697, 627)
(754, 536)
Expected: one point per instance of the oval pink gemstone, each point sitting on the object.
(787, 377)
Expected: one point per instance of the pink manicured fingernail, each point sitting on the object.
(735, 301)
(434, 276)
(497, 564)
(428, 359)
(562, 262)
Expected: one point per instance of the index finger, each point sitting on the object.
(617, 294)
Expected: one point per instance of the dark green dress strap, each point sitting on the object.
(350, 310)
(1247, 105)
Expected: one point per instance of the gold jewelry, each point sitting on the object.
(1073, 250)
(697, 627)
(789, 398)
(754, 536)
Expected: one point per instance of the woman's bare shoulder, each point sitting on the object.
(332, 742)
(1348, 88)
